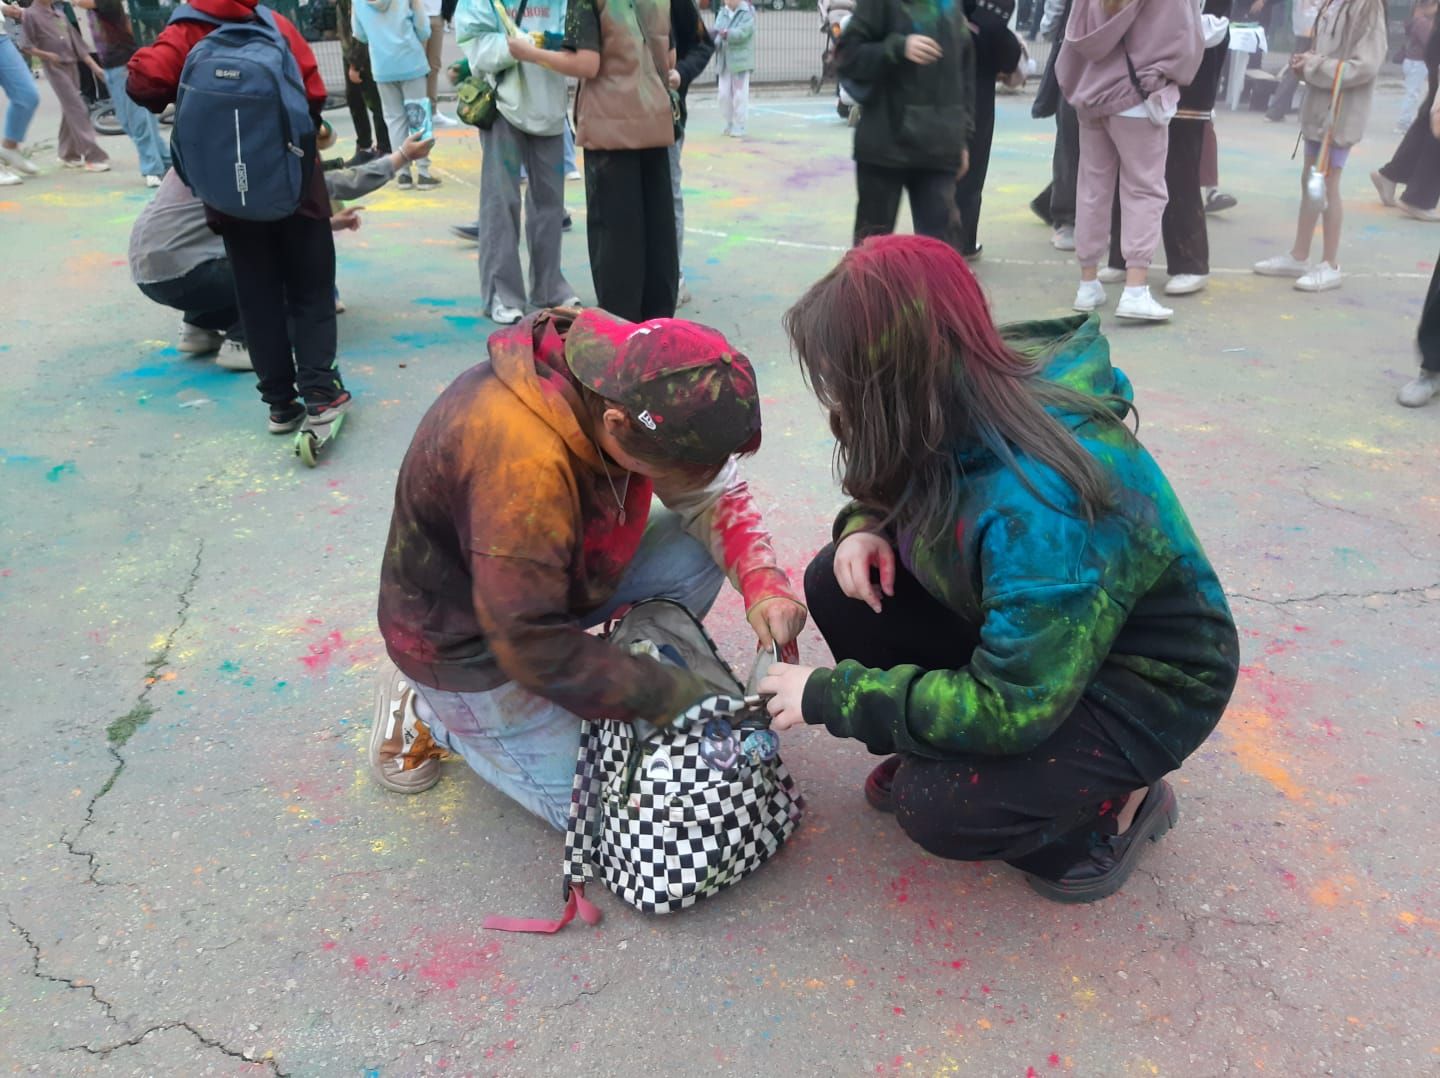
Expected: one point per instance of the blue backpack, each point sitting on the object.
(244, 141)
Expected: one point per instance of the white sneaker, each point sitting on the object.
(197, 341)
(1322, 278)
(572, 302)
(234, 356)
(152, 181)
(1110, 275)
(443, 120)
(1063, 238)
(1138, 304)
(503, 315)
(683, 295)
(1285, 265)
(95, 166)
(1089, 296)
(574, 174)
(1420, 390)
(1185, 284)
(8, 178)
(18, 162)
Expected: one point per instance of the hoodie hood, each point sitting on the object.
(1093, 34)
(378, 5)
(1079, 356)
(529, 358)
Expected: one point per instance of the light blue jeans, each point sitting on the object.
(524, 745)
(19, 87)
(142, 125)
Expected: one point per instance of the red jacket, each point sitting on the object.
(154, 71)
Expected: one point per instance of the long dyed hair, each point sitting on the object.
(898, 344)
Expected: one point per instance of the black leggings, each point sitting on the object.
(1039, 811)
(363, 100)
(634, 260)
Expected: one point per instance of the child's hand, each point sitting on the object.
(674, 79)
(416, 148)
(523, 49)
(347, 220)
(354, 75)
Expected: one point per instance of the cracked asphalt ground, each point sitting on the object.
(200, 878)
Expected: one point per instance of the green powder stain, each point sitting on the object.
(54, 474)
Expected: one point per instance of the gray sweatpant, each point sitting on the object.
(504, 149)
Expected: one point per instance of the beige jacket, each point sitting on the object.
(627, 105)
(1352, 34)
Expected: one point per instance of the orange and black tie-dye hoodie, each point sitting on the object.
(506, 533)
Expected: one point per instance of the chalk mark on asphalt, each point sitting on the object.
(122, 729)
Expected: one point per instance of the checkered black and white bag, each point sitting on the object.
(660, 816)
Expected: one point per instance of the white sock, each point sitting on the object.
(1136, 291)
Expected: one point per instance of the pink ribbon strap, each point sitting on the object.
(576, 904)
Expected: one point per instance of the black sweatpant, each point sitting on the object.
(363, 100)
(1416, 162)
(205, 297)
(630, 211)
(285, 285)
(1039, 811)
(1183, 229)
(1428, 335)
(932, 202)
(971, 186)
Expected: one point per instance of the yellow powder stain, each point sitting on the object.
(1408, 918)
(1248, 731)
(984, 1023)
(9, 207)
(380, 845)
(1362, 446)
(814, 982)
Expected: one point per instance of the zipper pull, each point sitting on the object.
(296, 150)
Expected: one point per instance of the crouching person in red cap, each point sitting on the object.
(523, 517)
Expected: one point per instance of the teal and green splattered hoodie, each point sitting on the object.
(1125, 613)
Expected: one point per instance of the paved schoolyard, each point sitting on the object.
(198, 873)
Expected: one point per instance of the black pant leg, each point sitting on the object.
(1116, 258)
(1182, 226)
(1428, 336)
(1422, 189)
(309, 267)
(205, 297)
(1401, 167)
(1040, 205)
(971, 187)
(1039, 810)
(256, 253)
(662, 258)
(1064, 165)
(615, 230)
(912, 627)
(877, 201)
(359, 114)
(932, 205)
(377, 113)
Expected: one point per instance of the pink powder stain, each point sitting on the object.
(328, 945)
(1054, 1059)
(1031, 1072)
(451, 963)
(319, 655)
(959, 963)
(899, 1010)
(362, 964)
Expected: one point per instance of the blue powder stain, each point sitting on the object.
(712, 261)
(54, 474)
(464, 321)
(152, 370)
(229, 666)
(373, 1073)
(428, 301)
(418, 340)
(7, 457)
(280, 685)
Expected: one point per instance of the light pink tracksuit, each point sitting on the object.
(1165, 45)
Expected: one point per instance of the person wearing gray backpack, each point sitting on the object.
(262, 187)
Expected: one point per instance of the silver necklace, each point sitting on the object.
(619, 501)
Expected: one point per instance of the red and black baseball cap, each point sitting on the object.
(684, 382)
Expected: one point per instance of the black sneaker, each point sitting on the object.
(426, 182)
(405, 181)
(1113, 857)
(470, 233)
(1219, 202)
(880, 783)
(364, 155)
(285, 418)
(567, 224)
